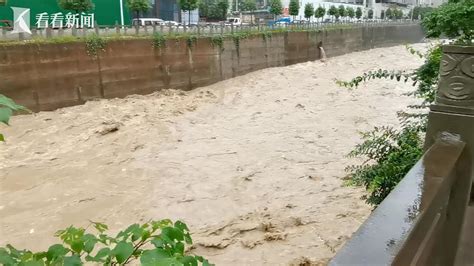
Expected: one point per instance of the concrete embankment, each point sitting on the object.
(50, 76)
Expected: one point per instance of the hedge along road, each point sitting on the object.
(254, 164)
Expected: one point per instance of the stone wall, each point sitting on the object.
(50, 76)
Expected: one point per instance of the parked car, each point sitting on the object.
(147, 21)
(170, 22)
(281, 21)
(234, 21)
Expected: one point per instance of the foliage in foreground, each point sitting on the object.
(153, 243)
(7, 108)
(391, 152)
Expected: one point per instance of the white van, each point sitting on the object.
(147, 21)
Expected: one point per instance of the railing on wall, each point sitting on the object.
(199, 30)
(410, 229)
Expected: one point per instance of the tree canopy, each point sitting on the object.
(358, 13)
(213, 9)
(342, 11)
(76, 5)
(308, 10)
(320, 12)
(350, 12)
(294, 7)
(333, 11)
(248, 5)
(389, 13)
(275, 7)
(185, 5)
(370, 14)
(223, 7)
(453, 19)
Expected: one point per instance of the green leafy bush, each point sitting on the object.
(7, 108)
(154, 243)
(453, 19)
(389, 152)
(392, 154)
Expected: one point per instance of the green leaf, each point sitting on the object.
(145, 235)
(33, 263)
(5, 258)
(164, 262)
(161, 224)
(127, 232)
(184, 228)
(56, 251)
(100, 227)
(151, 257)
(73, 260)
(40, 255)
(122, 251)
(172, 234)
(99, 257)
(77, 245)
(71, 235)
(179, 248)
(89, 242)
(14, 252)
(158, 242)
(5, 114)
(2, 138)
(189, 261)
(10, 104)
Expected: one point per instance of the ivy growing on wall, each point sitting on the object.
(158, 40)
(95, 45)
(218, 41)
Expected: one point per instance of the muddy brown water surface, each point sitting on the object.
(254, 165)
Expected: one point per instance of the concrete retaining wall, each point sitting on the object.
(50, 76)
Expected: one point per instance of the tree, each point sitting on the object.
(452, 19)
(370, 14)
(185, 5)
(222, 7)
(350, 12)
(249, 5)
(275, 8)
(294, 8)
(389, 13)
(420, 12)
(398, 14)
(308, 11)
(138, 6)
(358, 13)
(342, 11)
(320, 12)
(77, 6)
(333, 11)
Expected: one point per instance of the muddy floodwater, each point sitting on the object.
(254, 165)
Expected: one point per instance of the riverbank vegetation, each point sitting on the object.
(391, 152)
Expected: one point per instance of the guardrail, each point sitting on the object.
(198, 30)
(408, 229)
(428, 219)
